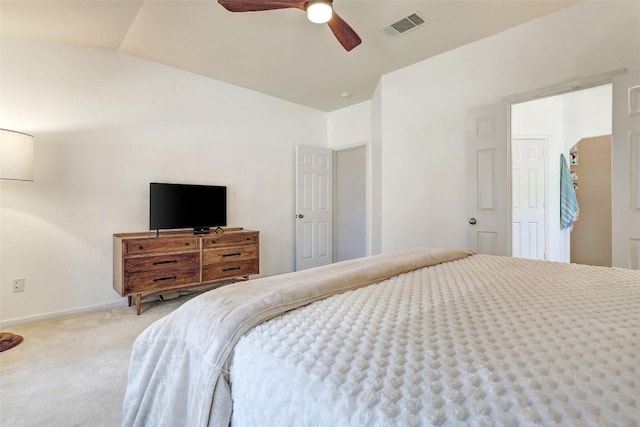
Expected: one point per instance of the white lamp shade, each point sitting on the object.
(16, 156)
(319, 11)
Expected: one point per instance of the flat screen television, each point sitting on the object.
(174, 206)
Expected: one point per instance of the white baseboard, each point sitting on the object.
(27, 320)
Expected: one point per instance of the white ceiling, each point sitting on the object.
(278, 52)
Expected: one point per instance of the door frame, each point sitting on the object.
(587, 82)
(368, 197)
(562, 88)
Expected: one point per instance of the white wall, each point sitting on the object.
(418, 114)
(105, 125)
(423, 109)
(587, 113)
(349, 126)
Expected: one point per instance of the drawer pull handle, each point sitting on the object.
(162, 279)
(169, 261)
(231, 269)
(232, 254)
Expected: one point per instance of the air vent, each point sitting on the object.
(403, 25)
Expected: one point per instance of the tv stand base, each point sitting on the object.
(200, 288)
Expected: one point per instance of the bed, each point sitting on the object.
(419, 337)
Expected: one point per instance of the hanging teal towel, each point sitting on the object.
(568, 201)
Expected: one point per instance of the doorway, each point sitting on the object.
(561, 121)
(331, 205)
(350, 188)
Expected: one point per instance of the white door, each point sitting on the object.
(488, 201)
(314, 207)
(625, 171)
(528, 198)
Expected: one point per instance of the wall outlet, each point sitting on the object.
(18, 285)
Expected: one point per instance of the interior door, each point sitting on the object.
(488, 199)
(625, 159)
(528, 198)
(314, 207)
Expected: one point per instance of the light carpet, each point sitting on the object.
(73, 371)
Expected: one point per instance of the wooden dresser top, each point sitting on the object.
(178, 233)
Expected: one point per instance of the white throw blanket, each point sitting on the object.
(177, 374)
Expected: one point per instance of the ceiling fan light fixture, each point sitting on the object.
(319, 11)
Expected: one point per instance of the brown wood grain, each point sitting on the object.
(165, 262)
(229, 269)
(162, 244)
(225, 239)
(146, 264)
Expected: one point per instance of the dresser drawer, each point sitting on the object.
(229, 254)
(168, 262)
(147, 281)
(229, 269)
(229, 239)
(150, 246)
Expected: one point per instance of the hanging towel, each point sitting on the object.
(568, 201)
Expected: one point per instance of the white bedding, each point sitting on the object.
(482, 340)
(177, 373)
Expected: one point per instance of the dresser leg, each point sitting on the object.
(138, 303)
(129, 299)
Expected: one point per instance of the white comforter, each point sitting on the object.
(177, 370)
(480, 341)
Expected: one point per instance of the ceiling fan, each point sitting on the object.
(318, 11)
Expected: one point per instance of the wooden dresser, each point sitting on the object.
(145, 265)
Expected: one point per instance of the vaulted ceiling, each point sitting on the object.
(277, 52)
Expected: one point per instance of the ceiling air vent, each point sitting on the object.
(403, 25)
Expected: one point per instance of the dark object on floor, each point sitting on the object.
(9, 340)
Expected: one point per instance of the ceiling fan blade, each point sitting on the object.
(258, 5)
(343, 32)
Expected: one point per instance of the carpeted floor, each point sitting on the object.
(73, 371)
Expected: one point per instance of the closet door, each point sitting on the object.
(626, 172)
(314, 207)
(488, 199)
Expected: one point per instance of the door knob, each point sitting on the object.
(300, 216)
(473, 221)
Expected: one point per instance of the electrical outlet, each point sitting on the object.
(18, 285)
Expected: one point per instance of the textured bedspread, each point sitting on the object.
(480, 341)
(177, 369)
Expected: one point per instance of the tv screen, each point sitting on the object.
(187, 206)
